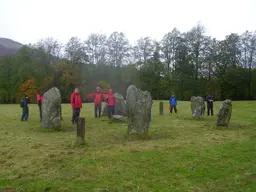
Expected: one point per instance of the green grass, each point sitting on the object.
(182, 154)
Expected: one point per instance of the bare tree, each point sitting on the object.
(117, 49)
(196, 42)
(96, 48)
(75, 51)
(169, 45)
(51, 47)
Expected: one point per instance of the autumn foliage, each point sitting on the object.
(28, 88)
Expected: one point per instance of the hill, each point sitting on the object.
(8, 46)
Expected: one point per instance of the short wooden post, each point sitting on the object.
(161, 108)
(80, 130)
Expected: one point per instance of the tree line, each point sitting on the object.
(184, 64)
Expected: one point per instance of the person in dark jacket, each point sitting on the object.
(210, 99)
(98, 98)
(25, 110)
(76, 103)
(173, 103)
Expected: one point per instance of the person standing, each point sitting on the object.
(76, 103)
(173, 103)
(210, 99)
(39, 100)
(111, 103)
(98, 98)
(25, 110)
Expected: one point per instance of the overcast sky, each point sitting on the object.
(27, 21)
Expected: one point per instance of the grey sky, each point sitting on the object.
(27, 21)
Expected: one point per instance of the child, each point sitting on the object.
(173, 103)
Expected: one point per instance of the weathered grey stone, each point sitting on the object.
(51, 108)
(224, 113)
(120, 108)
(139, 105)
(197, 107)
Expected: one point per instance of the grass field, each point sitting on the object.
(182, 154)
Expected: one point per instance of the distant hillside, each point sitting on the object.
(8, 46)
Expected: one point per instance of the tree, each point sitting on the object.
(76, 51)
(196, 43)
(51, 47)
(143, 50)
(248, 51)
(28, 88)
(117, 49)
(228, 57)
(170, 43)
(96, 48)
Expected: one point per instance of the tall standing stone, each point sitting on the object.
(51, 108)
(224, 113)
(120, 108)
(139, 105)
(197, 107)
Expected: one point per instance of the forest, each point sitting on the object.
(182, 63)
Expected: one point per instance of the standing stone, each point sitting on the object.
(51, 108)
(224, 113)
(197, 107)
(139, 105)
(120, 108)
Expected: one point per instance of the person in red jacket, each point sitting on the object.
(98, 98)
(76, 103)
(111, 103)
(39, 100)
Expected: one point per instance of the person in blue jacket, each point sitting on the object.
(173, 103)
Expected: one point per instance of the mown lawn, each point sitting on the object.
(182, 154)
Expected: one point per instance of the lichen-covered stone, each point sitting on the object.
(51, 108)
(139, 105)
(224, 114)
(197, 107)
(120, 108)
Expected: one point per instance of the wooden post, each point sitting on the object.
(161, 108)
(80, 130)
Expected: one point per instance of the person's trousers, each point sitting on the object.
(210, 108)
(40, 111)
(111, 111)
(97, 109)
(25, 114)
(76, 114)
(173, 107)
